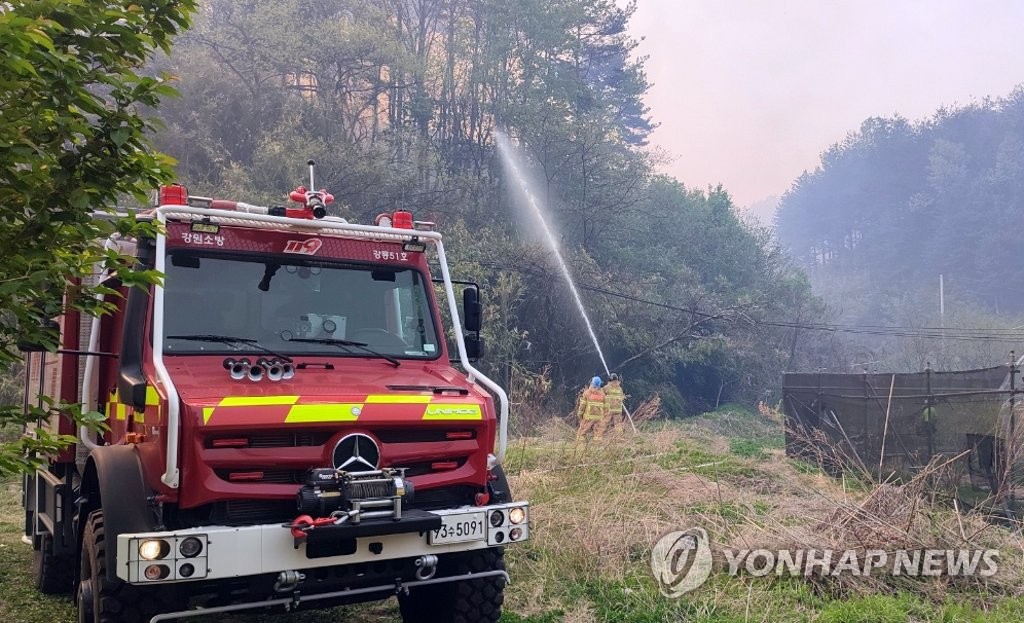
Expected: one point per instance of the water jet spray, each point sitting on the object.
(509, 156)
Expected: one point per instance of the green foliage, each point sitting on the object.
(870, 609)
(698, 460)
(746, 448)
(74, 143)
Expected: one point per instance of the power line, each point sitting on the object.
(957, 333)
(880, 330)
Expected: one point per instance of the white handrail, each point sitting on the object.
(89, 374)
(171, 472)
(460, 341)
(247, 218)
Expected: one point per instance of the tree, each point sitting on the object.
(399, 102)
(73, 139)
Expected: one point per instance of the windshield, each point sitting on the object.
(295, 306)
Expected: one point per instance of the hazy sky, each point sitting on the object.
(750, 92)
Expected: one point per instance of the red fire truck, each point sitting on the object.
(285, 425)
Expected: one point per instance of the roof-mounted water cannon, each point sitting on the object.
(314, 202)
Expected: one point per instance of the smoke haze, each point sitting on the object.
(749, 93)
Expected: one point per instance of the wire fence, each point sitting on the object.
(891, 426)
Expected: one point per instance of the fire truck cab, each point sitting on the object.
(285, 426)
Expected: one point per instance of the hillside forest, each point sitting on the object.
(399, 103)
(896, 205)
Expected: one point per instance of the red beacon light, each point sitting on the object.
(402, 220)
(173, 195)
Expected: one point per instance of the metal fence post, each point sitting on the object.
(929, 403)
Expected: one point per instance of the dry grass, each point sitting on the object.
(598, 508)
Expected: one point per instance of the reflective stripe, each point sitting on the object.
(613, 398)
(111, 410)
(442, 411)
(397, 399)
(152, 397)
(350, 411)
(257, 401)
(593, 409)
(334, 412)
(249, 401)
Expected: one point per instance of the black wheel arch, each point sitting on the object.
(113, 481)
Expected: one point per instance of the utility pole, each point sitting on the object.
(942, 319)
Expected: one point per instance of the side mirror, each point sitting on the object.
(31, 347)
(474, 346)
(132, 389)
(472, 310)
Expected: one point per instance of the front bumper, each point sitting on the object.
(239, 551)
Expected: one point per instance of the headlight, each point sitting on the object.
(154, 549)
(517, 515)
(190, 547)
(497, 518)
(515, 533)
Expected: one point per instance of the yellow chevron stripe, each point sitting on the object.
(152, 397)
(207, 414)
(257, 401)
(332, 412)
(397, 399)
(443, 411)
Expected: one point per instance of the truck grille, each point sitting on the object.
(289, 439)
(273, 464)
(245, 512)
(277, 476)
(427, 467)
(277, 439)
(300, 439)
(248, 512)
(443, 497)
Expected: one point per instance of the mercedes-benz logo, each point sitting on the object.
(356, 453)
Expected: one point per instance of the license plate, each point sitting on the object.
(458, 529)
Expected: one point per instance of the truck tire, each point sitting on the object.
(459, 602)
(112, 601)
(53, 574)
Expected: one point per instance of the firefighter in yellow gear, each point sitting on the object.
(613, 399)
(591, 410)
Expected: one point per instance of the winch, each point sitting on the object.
(353, 496)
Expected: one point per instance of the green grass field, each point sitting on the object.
(599, 508)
